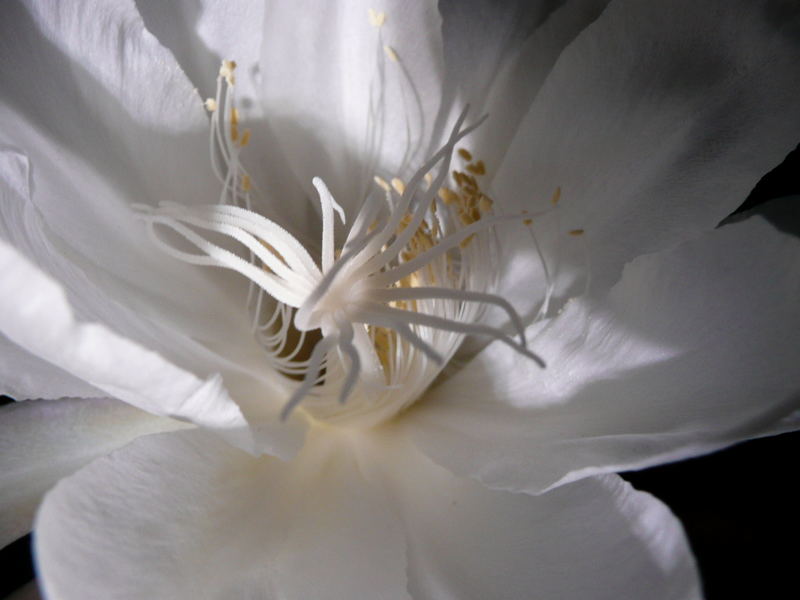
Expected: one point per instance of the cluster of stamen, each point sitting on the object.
(388, 307)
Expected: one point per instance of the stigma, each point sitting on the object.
(364, 325)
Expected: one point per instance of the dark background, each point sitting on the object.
(740, 507)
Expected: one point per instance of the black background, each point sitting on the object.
(740, 507)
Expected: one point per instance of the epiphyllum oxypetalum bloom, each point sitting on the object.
(655, 119)
(409, 279)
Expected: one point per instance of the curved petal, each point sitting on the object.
(500, 76)
(24, 376)
(597, 538)
(202, 34)
(342, 108)
(96, 116)
(688, 353)
(42, 441)
(169, 324)
(103, 91)
(35, 315)
(656, 122)
(183, 515)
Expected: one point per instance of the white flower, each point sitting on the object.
(497, 480)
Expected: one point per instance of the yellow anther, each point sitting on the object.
(405, 222)
(234, 116)
(477, 168)
(466, 242)
(234, 131)
(466, 218)
(210, 104)
(391, 53)
(245, 138)
(398, 186)
(429, 179)
(447, 195)
(226, 70)
(576, 232)
(527, 221)
(464, 154)
(246, 185)
(485, 203)
(376, 19)
(382, 183)
(556, 196)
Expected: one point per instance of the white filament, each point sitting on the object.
(347, 297)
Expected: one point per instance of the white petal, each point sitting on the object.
(656, 122)
(594, 539)
(318, 96)
(24, 376)
(42, 441)
(197, 331)
(92, 80)
(163, 318)
(183, 515)
(189, 324)
(35, 315)
(690, 352)
(106, 119)
(501, 75)
(202, 34)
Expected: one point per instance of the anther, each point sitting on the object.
(376, 19)
(226, 70)
(448, 196)
(382, 183)
(477, 168)
(398, 185)
(390, 52)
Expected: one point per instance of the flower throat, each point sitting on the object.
(366, 328)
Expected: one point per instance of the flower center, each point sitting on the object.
(388, 308)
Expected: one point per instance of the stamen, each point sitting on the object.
(391, 54)
(382, 183)
(556, 196)
(391, 305)
(376, 19)
(421, 293)
(398, 186)
(407, 268)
